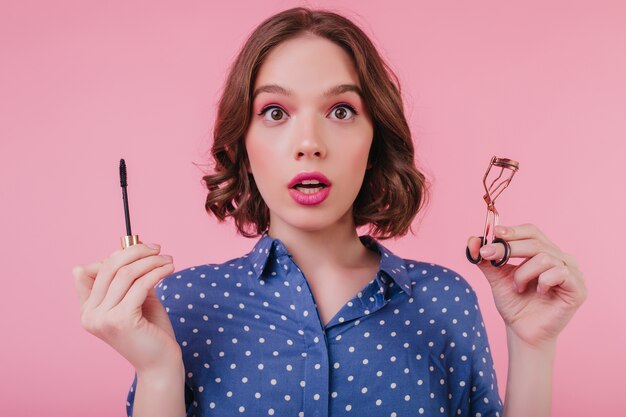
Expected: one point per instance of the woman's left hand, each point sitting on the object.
(538, 297)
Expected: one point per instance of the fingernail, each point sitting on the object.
(501, 230)
(168, 257)
(153, 245)
(487, 250)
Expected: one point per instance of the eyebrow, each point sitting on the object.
(333, 91)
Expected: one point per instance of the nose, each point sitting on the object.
(309, 140)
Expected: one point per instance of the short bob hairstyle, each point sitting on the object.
(393, 190)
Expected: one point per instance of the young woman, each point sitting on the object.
(310, 143)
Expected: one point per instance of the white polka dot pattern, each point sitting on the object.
(411, 342)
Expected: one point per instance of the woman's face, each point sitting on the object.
(302, 122)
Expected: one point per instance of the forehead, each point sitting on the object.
(307, 65)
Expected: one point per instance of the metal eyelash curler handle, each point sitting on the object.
(492, 192)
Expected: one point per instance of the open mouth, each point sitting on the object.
(309, 194)
(310, 186)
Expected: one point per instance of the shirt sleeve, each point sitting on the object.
(163, 294)
(190, 403)
(484, 396)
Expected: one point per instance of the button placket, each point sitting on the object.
(316, 382)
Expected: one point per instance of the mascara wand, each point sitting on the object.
(129, 239)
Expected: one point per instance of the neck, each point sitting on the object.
(337, 246)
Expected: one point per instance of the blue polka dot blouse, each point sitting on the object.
(412, 342)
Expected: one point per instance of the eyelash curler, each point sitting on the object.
(492, 192)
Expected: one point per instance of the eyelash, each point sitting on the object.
(266, 108)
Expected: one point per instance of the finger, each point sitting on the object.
(84, 276)
(533, 268)
(119, 250)
(138, 292)
(570, 260)
(551, 278)
(127, 274)
(525, 248)
(473, 243)
(111, 265)
(566, 281)
(522, 231)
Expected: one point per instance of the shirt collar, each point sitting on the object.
(391, 264)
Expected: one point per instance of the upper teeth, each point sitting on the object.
(310, 182)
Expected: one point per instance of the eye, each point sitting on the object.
(276, 114)
(340, 111)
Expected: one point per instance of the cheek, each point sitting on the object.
(254, 149)
(355, 152)
(356, 162)
(262, 162)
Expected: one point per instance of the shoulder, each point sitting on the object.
(445, 300)
(198, 278)
(415, 277)
(436, 275)
(439, 283)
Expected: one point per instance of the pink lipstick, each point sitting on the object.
(309, 188)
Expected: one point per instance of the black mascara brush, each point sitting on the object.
(129, 239)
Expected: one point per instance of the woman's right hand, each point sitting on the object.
(119, 305)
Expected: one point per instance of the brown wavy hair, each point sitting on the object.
(393, 189)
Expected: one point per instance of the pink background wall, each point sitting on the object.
(85, 83)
